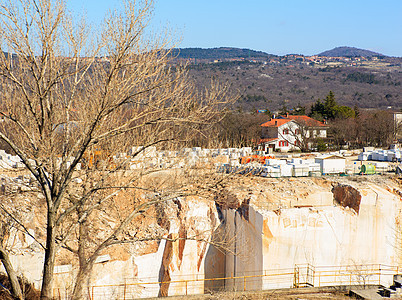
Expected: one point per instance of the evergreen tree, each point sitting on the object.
(330, 106)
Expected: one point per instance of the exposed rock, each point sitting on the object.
(164, 273)
(226, 199)
(347, 196)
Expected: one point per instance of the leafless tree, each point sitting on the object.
(5, 227)
(72, 97)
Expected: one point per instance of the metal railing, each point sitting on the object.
(304, 275)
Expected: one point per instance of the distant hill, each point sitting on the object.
(218, 53)
(292, 83)
(349, 52)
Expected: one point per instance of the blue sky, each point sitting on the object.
(277, 27)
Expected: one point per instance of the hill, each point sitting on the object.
(349, 52)
(218, 53)
(272, 85)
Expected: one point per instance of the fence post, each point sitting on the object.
(89, 294)
(186, 287)
(124, 292)
(379, 275)
(244, 285)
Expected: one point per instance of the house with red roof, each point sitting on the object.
(287, 133)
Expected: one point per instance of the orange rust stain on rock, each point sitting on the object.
(267, 234)
(182, 243)
(201, 249)
(165, 268)
(286, 222)
(265, 229)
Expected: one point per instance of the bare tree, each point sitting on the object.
(5, 259)
(72, 98)
(376, 128)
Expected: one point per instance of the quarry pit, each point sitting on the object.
(257, 234)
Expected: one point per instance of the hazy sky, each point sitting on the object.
(277, 27)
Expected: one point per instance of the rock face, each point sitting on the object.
(347, 196)
(240, 236)
(243, 233)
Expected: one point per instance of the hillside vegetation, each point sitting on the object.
(357, 77)
(273, 86)
(349, 52)
(218, 53)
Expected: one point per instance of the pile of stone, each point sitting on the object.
(294, 167)
(20, 183)
(140, 157)
(8, 161)
(393, 155)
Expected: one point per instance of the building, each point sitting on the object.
(287, 133)
(331, 164)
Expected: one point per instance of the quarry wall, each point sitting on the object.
(336, 225)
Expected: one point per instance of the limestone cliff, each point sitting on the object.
(251, 225)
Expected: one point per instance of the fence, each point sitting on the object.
(300, 276)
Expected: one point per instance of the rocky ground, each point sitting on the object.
(330, 293)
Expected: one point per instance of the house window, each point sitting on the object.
(286, 131)
(283, 143)
(297, 131)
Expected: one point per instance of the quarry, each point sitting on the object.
(256, 233)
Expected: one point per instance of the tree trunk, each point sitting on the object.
(80, 283)
(86, 265)
(12, 276)
(50, 252)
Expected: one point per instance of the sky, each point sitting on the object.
(278, 27)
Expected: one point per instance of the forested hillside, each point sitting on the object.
(272, 86)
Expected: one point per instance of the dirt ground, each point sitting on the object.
(330, 293)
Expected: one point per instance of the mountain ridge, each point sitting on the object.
(218, 53)
(246, 53)
(345, 51)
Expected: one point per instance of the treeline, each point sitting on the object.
(234, 129)
(368, 128)
(329, 109)
(352, 127)
(362, 78)
(346, 126)
(217, 53)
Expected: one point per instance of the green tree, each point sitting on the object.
(299, 110)
(317, 110)
(330, 106)
(343, 112)
(330, 110)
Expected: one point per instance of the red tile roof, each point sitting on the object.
(275, 122)
(307, 120)
(285, 119)
(268, 140)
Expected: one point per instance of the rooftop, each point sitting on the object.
(304, 120)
